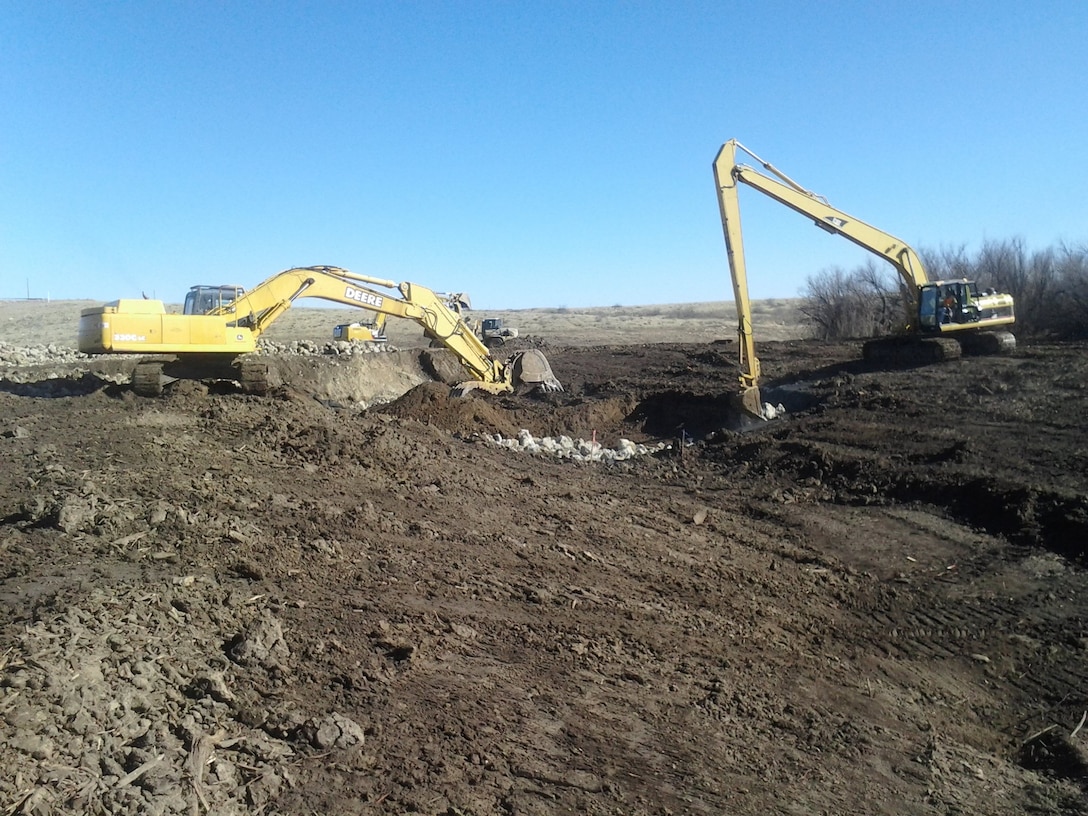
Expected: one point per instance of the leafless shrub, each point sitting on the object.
(947, 263)
(1050, 287)
(1070, 298)
(862, 303)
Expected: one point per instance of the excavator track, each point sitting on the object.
(253, 375)
(988, 343)
(906, 351)
(147, 379)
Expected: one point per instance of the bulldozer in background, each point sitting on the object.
(494, 333)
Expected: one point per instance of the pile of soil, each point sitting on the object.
(214, 602)
(433, 404)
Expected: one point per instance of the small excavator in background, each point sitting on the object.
(943, 318)
(217, 332)
(362, 331)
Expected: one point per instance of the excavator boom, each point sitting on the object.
(784, 190)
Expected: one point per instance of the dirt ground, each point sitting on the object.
(877, 604)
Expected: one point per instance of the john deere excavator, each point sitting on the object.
(217, 332)
(943, 318)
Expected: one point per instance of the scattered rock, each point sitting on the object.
(76, 513)
(332, 731)
(261, 644)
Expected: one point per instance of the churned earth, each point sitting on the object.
(349, 597)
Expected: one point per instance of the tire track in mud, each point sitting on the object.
(1024, 652)
(989, 615)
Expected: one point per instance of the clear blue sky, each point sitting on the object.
(533, 154)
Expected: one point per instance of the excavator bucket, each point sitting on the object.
(525, 371)
(749, 403)
(531, 369)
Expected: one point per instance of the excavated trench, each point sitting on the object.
(671, 414)
(1024, 515)
(684, 414)
(1055, 754)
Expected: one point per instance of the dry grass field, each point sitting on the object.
(39, 322)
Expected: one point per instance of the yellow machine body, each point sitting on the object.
(145, 327)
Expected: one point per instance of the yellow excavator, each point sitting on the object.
(943, 318)
(364, 331)
(217, 332)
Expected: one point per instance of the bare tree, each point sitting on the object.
(1031, 279)
(1069, 301)
(885, 296)
(1050, 287)
(946, 263)
(861, 303)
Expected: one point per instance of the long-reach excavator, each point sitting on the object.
(943, 318)
(217, 332)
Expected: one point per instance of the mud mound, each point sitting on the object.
(432, 404)
(443, 366)
(606, 420)
(352, 379)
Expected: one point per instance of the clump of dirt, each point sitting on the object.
(432, 404)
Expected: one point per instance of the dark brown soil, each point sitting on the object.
(876, 605)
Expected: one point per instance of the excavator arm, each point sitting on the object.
(729, 206)
(785, 190)
(259, 307)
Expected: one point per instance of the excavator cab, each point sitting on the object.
(929, 308)
(202, 300)
(945, 306)
(942, 304)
